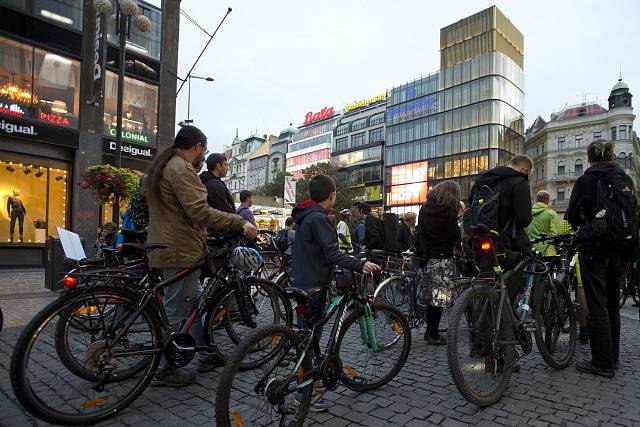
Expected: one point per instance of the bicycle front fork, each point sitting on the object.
(366, 328)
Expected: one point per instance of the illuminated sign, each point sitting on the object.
(311, 117)
(54, 118)
(132, 136)
(366, 102)
(409, 184)
(145, 153)
(10, 128)
(11, 109)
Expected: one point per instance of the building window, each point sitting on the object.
(561, 168)
(622, 132)
(597, 135)
(140, 107)
(41, 187)
(65, 12)
(342, 143)
(614, 133)
(561, 143)
(578, 166)
(147, 44)
(622, 160)
(376, 119)
(38, 85)
(376, 135)
(560, 196)
(342, 129)
(358, 139)
(359, 124)
(579, 140)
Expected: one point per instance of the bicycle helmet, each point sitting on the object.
(245, 259)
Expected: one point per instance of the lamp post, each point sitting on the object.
(189, 77)
(126, 9)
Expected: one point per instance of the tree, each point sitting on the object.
(344, 194)
(273, 188)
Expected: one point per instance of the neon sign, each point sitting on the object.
(12, 110)
(130, 136)
(54, 118)
(366, 102)
(311, 117)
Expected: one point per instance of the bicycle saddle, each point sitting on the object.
(302, 296)
(143, 247)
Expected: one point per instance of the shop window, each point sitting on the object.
(65, 12)
(147, 44)
(40, 186)
(16, 73)
(140, 108)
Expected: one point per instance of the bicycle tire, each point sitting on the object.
(224, 414)
(397, 292)
(563, 306)
(49, 411)
(1, 319)
(463, 309)
(398, 325)
(217, 308)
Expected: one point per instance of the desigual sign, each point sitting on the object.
(145, 153)
(366, 102)
(10, 128)
(311, 117)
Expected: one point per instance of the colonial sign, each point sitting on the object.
(311, 117)
(130, 136)
(129, 150)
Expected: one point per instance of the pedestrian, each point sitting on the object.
(544, 222)
(218, 195)
(373, 228)
(246, 201)
(290, 226)
(315, 249)
(437, 235)
(344, 234)
(603, 194)
(110, 235)
(405, 232)
(360, 229)
(178, 218)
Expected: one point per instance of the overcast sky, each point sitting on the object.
(273, 61)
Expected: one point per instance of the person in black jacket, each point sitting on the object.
(405, 233)
(436, 235)
(218, 194)
(602, 269)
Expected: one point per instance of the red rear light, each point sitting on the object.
(485, 246)
(70, 282)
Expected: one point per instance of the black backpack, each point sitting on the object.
(282, 241)
(374, 233)
(484, 209)
(616, 220)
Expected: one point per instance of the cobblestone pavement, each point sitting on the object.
(422, 394)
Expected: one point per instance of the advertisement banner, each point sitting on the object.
(290, 190)
(99, 57)
(409, 184)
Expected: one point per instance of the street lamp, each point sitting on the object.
(189, 77)
(127, 9)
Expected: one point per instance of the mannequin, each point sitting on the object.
(16, 210)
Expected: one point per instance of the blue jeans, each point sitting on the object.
(179, 299)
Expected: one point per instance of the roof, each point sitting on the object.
(620, 85)
(290, 130)
(263, 150)
(581, 110)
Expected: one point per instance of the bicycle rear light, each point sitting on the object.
(70, 282)
(485, 245)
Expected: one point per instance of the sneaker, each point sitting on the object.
(172, 377)
(318, 406)
(440, 340)
(209, 363)
(588, 368)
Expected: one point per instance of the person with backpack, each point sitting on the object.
(286, 237)
(373, 227)
(604, 206)
(405, 232)
(544, 221)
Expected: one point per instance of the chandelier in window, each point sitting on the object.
(17, 94)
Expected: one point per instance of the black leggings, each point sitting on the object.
(19, 215)
(433, 321)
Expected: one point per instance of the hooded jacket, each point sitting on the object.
(218, 196)
(583, 204)
(245, 212)
(437, 231)
(515, 203)
(315, 249)
(544, 221)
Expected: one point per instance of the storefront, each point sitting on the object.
(39, 112)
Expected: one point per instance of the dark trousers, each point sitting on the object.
(433, 321)
(19, 215)
(601, 278)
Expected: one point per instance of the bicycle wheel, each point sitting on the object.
(556, 332)
(47, 389)
(480, 363)
(397, 292)
(260, 397)
(226, 327)
(364, 366)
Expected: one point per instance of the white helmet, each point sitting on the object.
(245, 259)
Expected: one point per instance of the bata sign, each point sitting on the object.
(311, 117)
(364, 103)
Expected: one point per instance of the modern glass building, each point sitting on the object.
(464, 119)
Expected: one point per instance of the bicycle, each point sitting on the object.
(488, 332)
(131, 332)
(631, 285)
(294, 365)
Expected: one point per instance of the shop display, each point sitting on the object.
(16, 211)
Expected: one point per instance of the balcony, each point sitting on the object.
(567, 176)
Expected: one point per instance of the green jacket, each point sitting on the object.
(544, 221)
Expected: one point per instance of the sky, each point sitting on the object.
(274, 61)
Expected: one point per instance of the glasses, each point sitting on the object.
(206, 150)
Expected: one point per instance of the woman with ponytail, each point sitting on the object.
(602, 265)
(178, 218)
